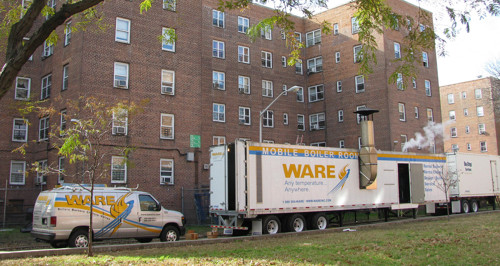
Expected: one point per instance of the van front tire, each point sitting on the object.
(79, 239)
(169, 233)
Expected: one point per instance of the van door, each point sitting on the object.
(149, 217)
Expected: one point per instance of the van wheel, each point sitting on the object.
(144, 240)
(465, 206)
(296, 223)
(79, 239)
(169, 233)
(474, 206)
(59, 244)
(271, 225)
(319, 221)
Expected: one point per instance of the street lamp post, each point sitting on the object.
(291, 89)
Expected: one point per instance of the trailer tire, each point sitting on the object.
(271, 225)
(169, 233)
(296, 223)
(79, 239)
(318, 222)
(474, 206)
(465, 206)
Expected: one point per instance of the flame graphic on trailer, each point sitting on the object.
(120, 210)
(343, 176)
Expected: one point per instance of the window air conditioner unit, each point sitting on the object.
(314, 127)
(119, 130)
(241, 90)
(167, 89)
(120, 83)
(166, 180)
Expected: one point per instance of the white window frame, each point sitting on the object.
(336, 29)
(218, 140)
(317, 121)
(430, 115)
(469, 147)
(481, 128)
(46, 86)
(41, 176)
(118, 166)
(285, 119)
(283, 61)
(118, 78)
(425, 59)
(167, 86)
(167, 174)
(243, 54)
(341, 143)
(43, 128)
(266, 33)
(267, 88)
(267, 59)
(218, 49)
(298, 68)
(466, 112)
(453, 132)
(20, 89)
(11, 173)
(483, 146)
(428, 90)
(467, 129)
(478, 94)
(313, 37)
(397, 50)
(337, 57)
(301, 122)
(452, 115)
(340, 115)
(399, 82)
(218, 18)
(451, 98)
(65, 79)
(122, 30)
(416, 112)
(20, 127)
(339, 86)
(120, 120)
(243, 24)
(480, 111)
(67, 33)
(414, 82)
(298, 36)
(359, 81)
(244, 116)
(354, 25)
(244, 84)
(315, 65)
(316, 93)
(62, 121)
(60, 167)
(166, 44)
(402, 112)
(218, 80)
(164, 127)
(300, 95)
(48, 48)
(170, 5)
(268, 119)
(358, 116)
(218, 114)
(356, 50)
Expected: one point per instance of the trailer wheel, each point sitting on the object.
(474, 206)
(296, 223)
(319, 221)
(465, 206)
(79, 239)
(169, 233)
(271, 225)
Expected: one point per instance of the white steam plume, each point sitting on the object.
(432, 132)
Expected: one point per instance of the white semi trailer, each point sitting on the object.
(270, 187)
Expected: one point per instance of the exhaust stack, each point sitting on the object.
(367, 153)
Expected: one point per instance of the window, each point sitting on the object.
(122, 33)
(62, 121)
(402, 112)
(480, 111)
(17, 172)
(430, 116)
(120, 122)
(20, 130)
(118, 169)
(358, 117)
(243, 54)
(451, 98)
(60, 174)
(397, 50)
(482, 145)
(452, 115)
(404, 139)
(244, 116)
(167, 40)
(428, 88)
(399, 82)
(219, 80)
(167, 82)
(335, 29)
(218, 49)
(267, 59)
(359, 143)
(300, 95)
(425, 59)
(218, 18)
(301, 123)
(467, 129)
(340, 114)
(416, 112)
(283, 61)
(316, 93)
(285, 90)
(313, 37)
(466, 112)
(360, 83)
(319, 144)
(121, 75)
(219, 112)
(414, 82)
(298, 67)
(339, 86)
(453, 131)
(482, 129)
(317, 121)
(283, 34)
(298, 37)
(167, 126)
(464, 95)
(244, 84)
(469, 147)
(52, 5)
(358, 56)
(268, 118)
(243, 24)
(315, 65)
(170, 4)
(46, 86)
(67, 33)
(341, 144)
(43, 129)
(478, 94)
(166, 171)
(65, 77)
(267, 88)
(266, 33)
(354, 25)
(23, 88)
(218, 140)
(285, 119)
(48, 49)
(41, 172)
(337, 57)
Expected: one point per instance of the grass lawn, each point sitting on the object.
(464, 240)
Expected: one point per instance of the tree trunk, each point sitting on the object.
(90, 252)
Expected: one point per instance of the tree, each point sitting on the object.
(23, 28)
(493, 67)
(445, 180)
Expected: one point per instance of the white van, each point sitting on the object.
(61, 216)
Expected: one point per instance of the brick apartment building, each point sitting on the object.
(471, 112)
(212, 82)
